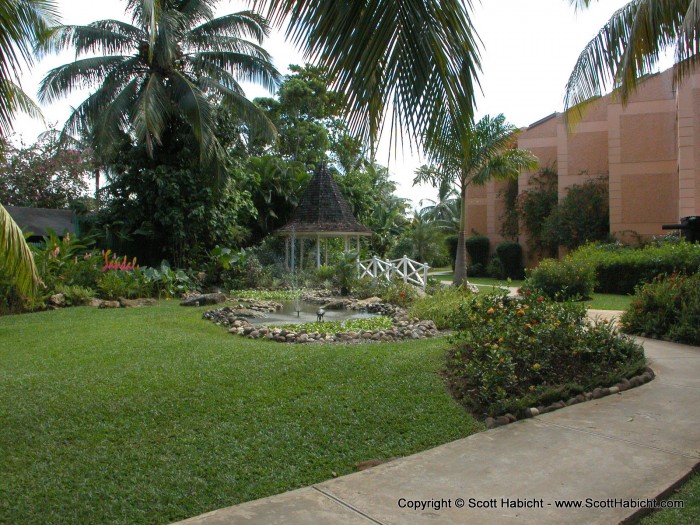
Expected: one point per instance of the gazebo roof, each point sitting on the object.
(323, 211)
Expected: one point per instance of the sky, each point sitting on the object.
(528, 50)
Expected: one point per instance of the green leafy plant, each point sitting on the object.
(511, 256)
(668, 308)
(440, 307)
(76, 295)
(267, 295)
(351, 325)
(166, 282)
(400, 294)
(511, 353)
(561, 280)
(619, 268)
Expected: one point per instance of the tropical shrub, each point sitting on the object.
(478, 248)
(76, 295)
(562, 280)
(619, 269)
(510, 353)
(534, 206)
(400, 294)
(440, 307)
(667, 308)
(583, 216)
(511, 256)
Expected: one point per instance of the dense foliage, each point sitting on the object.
(562, 280)
(667, 308)
(619, 268)
(441, 307)
(44, 174)
(378, 322)
(533, 207)
(511, 354)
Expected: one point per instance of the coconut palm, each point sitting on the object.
(473, 156)
(630, 44)
(22, 22)
(174, 61)
(418, 56)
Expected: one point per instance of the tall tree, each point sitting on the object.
(22, 24)
(473, 156)
(419, 57)
(174, 62)
(629, 46)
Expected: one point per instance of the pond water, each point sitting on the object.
(307, 314)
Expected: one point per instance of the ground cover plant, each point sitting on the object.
(379, 322)
(510, 354)
(667, 308)
(152, 415)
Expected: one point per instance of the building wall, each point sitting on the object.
(646, 147)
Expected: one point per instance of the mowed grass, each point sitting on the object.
(153, 415)
(689, 494)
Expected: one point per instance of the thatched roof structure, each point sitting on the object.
(323, 212)
(39, 221)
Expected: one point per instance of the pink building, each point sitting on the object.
(647, 148)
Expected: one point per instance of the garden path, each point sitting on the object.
(605, 453)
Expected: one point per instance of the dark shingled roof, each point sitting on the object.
(40, 220)
(323, 209)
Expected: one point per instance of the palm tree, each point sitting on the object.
(629, 46)
(419, 56)
(441, 210)
(22, 23)
(175, 61)
(473, 156)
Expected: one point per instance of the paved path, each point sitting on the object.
(630, 446)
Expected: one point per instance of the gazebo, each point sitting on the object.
(323, 213)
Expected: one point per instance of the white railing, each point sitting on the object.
(410, 271)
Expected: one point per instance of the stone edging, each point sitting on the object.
(403, 328)
(596, 393)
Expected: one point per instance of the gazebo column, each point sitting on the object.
(326, 245)
(293, 254)
(318, 251)
(358, 246)
(346, 244)
(286, 253)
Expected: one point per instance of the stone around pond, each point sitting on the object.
(204, 299)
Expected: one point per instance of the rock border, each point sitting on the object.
(596, 393)
(403, 328)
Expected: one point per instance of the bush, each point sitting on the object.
(619, 269)
(510, 354)
(583, 216)
(400, 294)
(511, 256)
(476, 270)
(451, 242)
(478, 248)
(562, 280)
(441, 307)
(130, 284)
(667, 308)
(76, 295)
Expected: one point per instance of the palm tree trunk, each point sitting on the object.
(460, 276)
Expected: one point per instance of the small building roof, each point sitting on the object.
(39, 221)
(323, 211)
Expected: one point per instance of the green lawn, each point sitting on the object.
(689, 493)
(599, 301)
(153, 415)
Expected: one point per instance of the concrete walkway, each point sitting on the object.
(631, 446)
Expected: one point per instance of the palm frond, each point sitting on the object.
(152, 112)
(193, 104)
(245, 67)
(244, 24)
(15, 100)
(16, 258)
(420, 56)
(104, 36)
(84, 73)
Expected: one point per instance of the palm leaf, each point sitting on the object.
(420, 56)
(14, 101)
(80, 74)
(16, 258)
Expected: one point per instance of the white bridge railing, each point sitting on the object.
(410, 271)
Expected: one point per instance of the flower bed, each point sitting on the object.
(513, 354)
